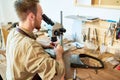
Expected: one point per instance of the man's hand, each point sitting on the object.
(59, 51)
(59, 57)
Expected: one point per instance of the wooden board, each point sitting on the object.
(95, 2)
(110, 2)
(5, 33)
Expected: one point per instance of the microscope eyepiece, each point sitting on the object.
(47, 20)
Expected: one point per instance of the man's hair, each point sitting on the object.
(23, 7)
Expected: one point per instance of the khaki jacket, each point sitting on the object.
(26, 57)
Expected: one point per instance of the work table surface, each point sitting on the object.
(108, 73)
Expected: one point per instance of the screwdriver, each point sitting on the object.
(74, 75)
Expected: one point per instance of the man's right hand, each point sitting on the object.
(59, 51)
(59, 57)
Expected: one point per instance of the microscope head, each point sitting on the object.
(56, 29)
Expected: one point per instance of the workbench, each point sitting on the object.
(108, 73)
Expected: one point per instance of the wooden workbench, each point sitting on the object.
(108, 73)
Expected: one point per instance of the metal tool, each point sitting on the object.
(113, 35)
(118, 30)
(103, 45)
(88, 34)
(111, 29)
(96, 36)
(75, 74)
(112, 32)
(75, 77)
(84, 37)
(96, 70)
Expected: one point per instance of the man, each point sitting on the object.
(25, 56)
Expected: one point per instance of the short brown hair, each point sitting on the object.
(23, 7)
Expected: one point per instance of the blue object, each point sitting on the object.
(111, 21)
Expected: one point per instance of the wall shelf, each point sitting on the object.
(100, 6)
(96, 4)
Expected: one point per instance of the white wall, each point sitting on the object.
(52, 9)
(1, 13)
(103, 13)
(8, 11)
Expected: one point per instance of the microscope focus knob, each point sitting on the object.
(56, 33)
(63, 30)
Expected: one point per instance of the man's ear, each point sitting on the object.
(31, 16)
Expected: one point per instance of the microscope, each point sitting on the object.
(57, 30)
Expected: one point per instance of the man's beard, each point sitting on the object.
(37, 25)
